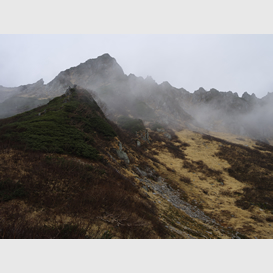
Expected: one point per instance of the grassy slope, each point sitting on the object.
(237, 190)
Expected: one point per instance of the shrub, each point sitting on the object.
(185, 179)
(130, 124)
(10, 190)
(155, 126)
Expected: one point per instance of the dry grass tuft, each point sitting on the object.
(257, 218)
(185, 179)
(226, 193)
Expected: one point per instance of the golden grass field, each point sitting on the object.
(218, 200)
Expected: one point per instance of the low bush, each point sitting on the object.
(10, 190)
(156, 125)
(130, 124)
(185, 179)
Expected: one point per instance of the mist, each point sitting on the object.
(227, 112)
(144, 98)
(236, 63)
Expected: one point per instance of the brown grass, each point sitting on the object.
(226, 193)
(257, 218)
(263, 146)
(161, 142)
(200, 166)
(18, 225)
(87, 191)
(253, 168)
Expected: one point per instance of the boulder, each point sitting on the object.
(160, 130)
(167, 135)
(121, 154)
(145, 136)
(140, 172)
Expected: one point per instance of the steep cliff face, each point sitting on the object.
(92, 74)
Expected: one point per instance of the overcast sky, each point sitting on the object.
(236, 63)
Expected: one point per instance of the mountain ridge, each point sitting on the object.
(126, 95)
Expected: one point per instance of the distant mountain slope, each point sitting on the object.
(227, 112)
(6, 92)
(18, 104)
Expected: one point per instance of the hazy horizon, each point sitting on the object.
(237, 63)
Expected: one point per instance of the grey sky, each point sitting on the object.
(236, 63)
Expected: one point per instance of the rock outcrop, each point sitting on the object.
(121, 154)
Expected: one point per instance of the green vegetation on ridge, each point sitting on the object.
(67, 124)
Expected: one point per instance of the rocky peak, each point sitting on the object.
(104, 59)
(200, 91)
(40, 82)
(246, 96)
(166, 86)
(149, 79)
(268, 98)
(104, 64)
(33, 87)
(214, 91)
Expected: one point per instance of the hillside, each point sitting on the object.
(66, 171)
(56, 181)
